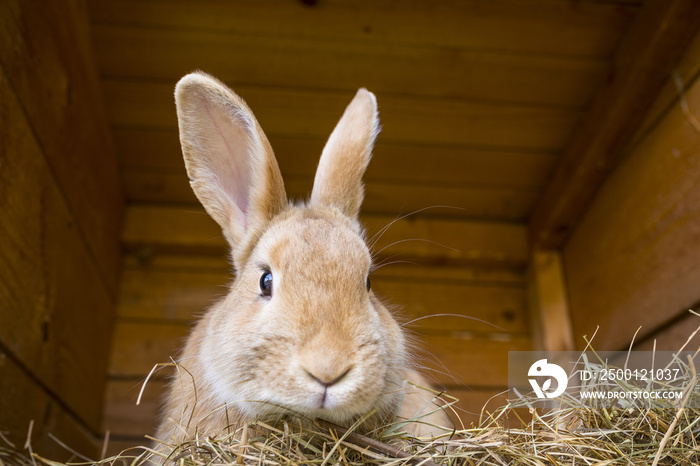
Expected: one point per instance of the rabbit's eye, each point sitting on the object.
(266, 284)
(369, 284)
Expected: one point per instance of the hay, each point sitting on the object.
(574, 432)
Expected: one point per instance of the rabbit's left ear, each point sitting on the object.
(338, 181)
(230, 163)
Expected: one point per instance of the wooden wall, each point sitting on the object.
(477, 99)
(634, 260)
(477, 104)
(60, 217)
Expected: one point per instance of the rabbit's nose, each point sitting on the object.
(326, 377)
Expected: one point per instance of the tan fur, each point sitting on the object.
(322, 345)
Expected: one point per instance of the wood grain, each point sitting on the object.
(57, 309)
(139, 346)
(24, 400)
(684, 72)
(429, 241)
(464, 360)
(169, 295)
(158, 152)
(549, 302)
(401, 178)
(592, 28)
(167, 55)
(299, 113)
(634, 259)
(46, 57)
(123, 417)
(148, 187)
(652, 46)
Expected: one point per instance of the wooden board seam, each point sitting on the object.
(27, 373)
(653, 42)
(667, 109)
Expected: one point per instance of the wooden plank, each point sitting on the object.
(300, 114)
(169, 295)
(424, 240)
(457, 203)
(549, 303)
(220, 265)
(484, 184)
(634, 260)
(177, 262)
(158, 152)
(653, 44)
(24, 400)
(400, 178)
(46, 57)
(592, 28)
(137, 347)
(448, 359)
(456, 308)
(182, 295)
(123, 417)
(57, 311)
(467, 361)
(380, 198)
(448, 241)
(302, 62)
(156, 229)
(684, 73)
(475, 275)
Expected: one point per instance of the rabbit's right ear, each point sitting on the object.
(230, 163)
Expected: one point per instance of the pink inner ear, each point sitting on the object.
(230, 161)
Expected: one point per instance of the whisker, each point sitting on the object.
(385, 264)
(424, 370)
(384, 259)
(377, 236)
(454, 315)
(388, 260)
(415, 239)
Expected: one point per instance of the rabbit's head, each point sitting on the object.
(300, 328)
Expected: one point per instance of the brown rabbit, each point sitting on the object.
(300, 329)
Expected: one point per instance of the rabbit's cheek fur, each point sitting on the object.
(265, 374)
(289, 384)
(310, 348)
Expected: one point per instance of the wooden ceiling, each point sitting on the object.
(478, 99)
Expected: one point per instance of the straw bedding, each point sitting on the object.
(573, 432)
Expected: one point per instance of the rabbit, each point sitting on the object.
(300, 330)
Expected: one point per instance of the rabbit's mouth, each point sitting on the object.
(325, 406)
(339, 402)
